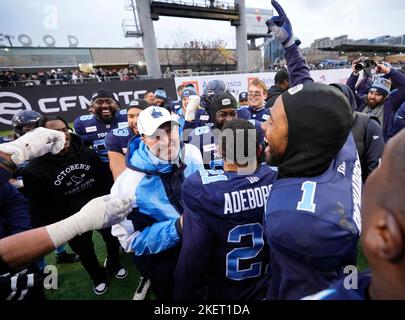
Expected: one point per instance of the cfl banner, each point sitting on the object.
(238, 83)
(70, 101)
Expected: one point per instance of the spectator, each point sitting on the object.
(367, 134)
(282, 83)
(398, 123)
(379, 102)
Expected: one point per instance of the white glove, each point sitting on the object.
(34, 144)
(192, 106)
(99, 213)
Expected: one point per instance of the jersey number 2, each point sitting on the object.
(233, 270)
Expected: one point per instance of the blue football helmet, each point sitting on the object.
(213, 88)
(24, 121)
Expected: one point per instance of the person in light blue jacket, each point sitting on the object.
(157, 164)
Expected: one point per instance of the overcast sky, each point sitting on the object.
(97, 23)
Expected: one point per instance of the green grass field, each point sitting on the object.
(75, 284)
(6, 133)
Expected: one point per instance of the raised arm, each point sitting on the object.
(397, 78)
(351, 83)
(281, 27)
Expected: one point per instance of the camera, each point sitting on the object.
(364, 64)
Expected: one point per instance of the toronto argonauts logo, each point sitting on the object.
(156, 113)
(10, 104)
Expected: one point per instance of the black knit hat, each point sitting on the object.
(103, 94)
(223, 101)
(138, 104)
(319, 123)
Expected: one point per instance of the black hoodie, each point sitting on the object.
(59, 186)
(274, 92)
(319, 122)
(367, 134)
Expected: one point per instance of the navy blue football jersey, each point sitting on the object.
(117, 140)
(345, 290)
(206, 139)
(93, 131)
(313, 227)
(248, 113)
(201, 119)
(175, 105)
(5, 139)
(224, 254)
(17, 175)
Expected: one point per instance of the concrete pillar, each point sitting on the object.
(252, 43)
(241, 38)
(148, 38)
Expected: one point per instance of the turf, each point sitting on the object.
(75, 284)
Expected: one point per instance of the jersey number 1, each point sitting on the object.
(308, 194)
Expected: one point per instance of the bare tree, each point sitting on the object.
(203, 53)
(209, 52)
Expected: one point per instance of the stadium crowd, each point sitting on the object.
(215, 198)
(12, 78)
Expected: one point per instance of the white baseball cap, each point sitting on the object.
(152, 118)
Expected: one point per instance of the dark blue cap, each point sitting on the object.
(243, 96)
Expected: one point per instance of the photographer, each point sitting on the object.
(379, 102)
(366, 65)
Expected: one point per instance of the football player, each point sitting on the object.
(224, 254)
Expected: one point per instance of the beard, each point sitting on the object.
(273, 158)
(105, 116)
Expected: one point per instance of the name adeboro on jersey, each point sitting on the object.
(70, 169)
(247, 199)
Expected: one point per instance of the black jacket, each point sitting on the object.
(367, 133)
(59, 186)
(274, 92)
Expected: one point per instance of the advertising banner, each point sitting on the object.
(71, 101)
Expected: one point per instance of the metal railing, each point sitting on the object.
(51, 82)
(203, 3)
(174, 74)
